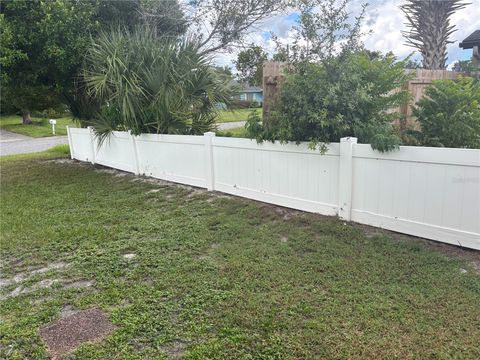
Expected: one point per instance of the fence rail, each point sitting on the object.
(428, 192)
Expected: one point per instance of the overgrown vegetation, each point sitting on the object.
(44, 42)
(151, 85)
(334, 87)
(350, 95)
(217, 277)
(449, 114)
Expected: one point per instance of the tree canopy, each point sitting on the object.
(44, 43)
(249, 64)
(151, 85)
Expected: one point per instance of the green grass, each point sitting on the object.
(239, 132)
(236, 115)
(217, 277)
(39, 128)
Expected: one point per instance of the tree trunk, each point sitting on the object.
(26, 119)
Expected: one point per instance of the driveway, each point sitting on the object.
(11, 143)
(231, 125)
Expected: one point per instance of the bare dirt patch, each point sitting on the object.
(20, 290)
(153, 191)
(473, 256)
(18, 278)
(271, 212)
(175, 350)
(63, 161)
(113, 172)
(66, 334)
(80, 284)
(51, 266)
(129, 256)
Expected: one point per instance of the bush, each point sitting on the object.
(255, 104)
(53, 112)
(449, 115)
(243, 104)
(350, 95)
(148, 84)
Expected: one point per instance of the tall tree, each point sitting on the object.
(325, 28)
(249, 64)
(429, 23)
(224, 23)
(45, 43)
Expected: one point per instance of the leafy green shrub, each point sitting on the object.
(350, 95)
(148, 84)
(449, 115)
(52, 112)
(255, 104)
(242, 104)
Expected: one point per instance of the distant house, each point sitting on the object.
(472, 42)
(249, 93)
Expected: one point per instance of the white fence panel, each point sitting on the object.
(116, 151)
(287, 175)
(80, 143)
(427, 192)
(175, 158)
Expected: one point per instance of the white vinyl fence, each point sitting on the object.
(428, 192)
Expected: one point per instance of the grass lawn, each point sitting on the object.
(40, 127)
(239, 132)
(236, 115)
(216, 277)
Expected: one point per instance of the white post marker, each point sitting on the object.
(53, 122)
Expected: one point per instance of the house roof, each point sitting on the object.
(246, 88)
(251, 89)
(471, 40)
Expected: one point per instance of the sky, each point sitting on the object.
(383, 20)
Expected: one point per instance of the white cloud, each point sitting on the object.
(383, 20)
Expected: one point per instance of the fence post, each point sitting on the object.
(92, 142)
(210, 174)
(135, 153)
(345, 178)
(70, 142)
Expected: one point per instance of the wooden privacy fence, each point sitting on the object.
(428, 192)
(417, 87)
(273, 79)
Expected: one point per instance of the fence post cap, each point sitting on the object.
(349, 139)
(209, 133)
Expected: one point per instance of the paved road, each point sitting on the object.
(11, 143)
(231, 125)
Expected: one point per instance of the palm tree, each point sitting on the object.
(430, 28)
(151, 84)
